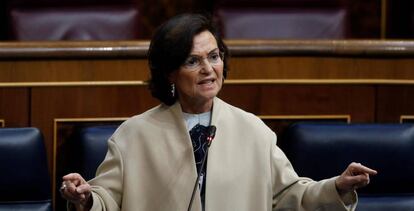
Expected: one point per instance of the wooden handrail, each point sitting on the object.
(238, 48)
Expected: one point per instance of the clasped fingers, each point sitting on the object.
(75, 189)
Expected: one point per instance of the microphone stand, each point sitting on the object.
(198, 178)
(210, 137)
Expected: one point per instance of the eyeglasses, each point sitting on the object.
(194, 62)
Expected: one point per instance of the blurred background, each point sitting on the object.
(239, 19)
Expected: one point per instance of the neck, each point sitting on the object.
(192, 107)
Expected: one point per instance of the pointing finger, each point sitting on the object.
(361, 169)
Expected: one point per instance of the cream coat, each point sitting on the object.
(150, 167)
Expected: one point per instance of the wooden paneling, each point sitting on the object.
(240, 68)
(57, 62)
(73, 70)
(90, 102)
(393, 102)
(321, 68)
(355, 101)
(14, 107)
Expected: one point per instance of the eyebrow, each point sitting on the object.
(207, 53)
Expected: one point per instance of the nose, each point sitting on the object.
(206, 67)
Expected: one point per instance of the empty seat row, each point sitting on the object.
(25, 184)
(324, 150)
(282, 19)
(317, 151)
(24, 178)
(248, 19)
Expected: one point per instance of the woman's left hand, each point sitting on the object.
(354, 177)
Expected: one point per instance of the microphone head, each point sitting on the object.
(212, 131)
(211, 134)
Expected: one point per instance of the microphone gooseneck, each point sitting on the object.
(211, 134)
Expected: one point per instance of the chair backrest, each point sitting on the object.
(91, 144)
(82, 152)
(320, 151)
(103, 22)
(24, 178)
(276, 19)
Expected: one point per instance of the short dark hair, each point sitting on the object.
(171, 45)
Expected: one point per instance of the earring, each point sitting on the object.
(173, 90)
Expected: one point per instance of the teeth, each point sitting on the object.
(206, 81)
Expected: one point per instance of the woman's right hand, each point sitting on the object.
(77, 191)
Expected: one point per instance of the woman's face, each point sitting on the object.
(200, 78)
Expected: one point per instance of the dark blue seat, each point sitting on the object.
(24, 178)
(320, 151)
(82, 153)
(92, 145)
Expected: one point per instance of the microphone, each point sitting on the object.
(211, 131)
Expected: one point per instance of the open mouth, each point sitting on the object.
(206, 81)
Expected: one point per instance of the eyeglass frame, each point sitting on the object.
(202, 60)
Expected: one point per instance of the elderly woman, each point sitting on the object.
(154, 158)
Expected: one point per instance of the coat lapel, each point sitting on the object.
(189, 174)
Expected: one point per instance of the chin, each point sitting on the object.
(209, 96)
(211, 93)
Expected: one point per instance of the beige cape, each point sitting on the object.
(150, 167)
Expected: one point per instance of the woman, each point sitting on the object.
(152, 162)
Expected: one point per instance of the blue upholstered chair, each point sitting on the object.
(24, 178)
(83, 153)
(320, 151)
(92, 145)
